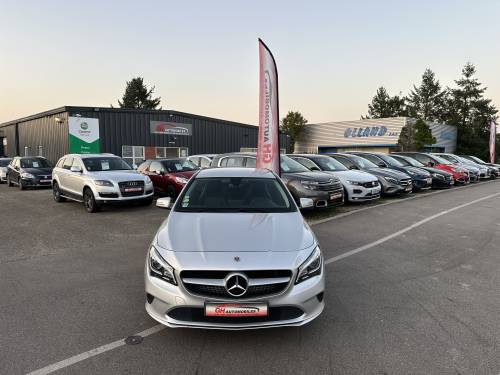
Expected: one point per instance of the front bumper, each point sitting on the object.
(108, 194)
(422, 183)
(175, 307)
(36, 182)
(323, 199)
(356, 193)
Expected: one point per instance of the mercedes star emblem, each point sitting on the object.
(236, 284)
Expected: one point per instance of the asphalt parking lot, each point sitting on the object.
(413, 287)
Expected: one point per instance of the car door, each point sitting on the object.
(75, 180)
(63, 174)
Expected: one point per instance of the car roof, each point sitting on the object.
(85, 156)
(309, 155)
(30, 157)
(204, 155)
(235, 172)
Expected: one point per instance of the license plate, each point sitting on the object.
(429, 180)
(236, 310)
(335, 196)
(130, 190)
(44, 181)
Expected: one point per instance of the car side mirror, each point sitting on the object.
(315, 169)
(381, 165)
(306, 203)
(134, 167)
(164, 203)
(353, 167)
(76, 169)
(162, 173)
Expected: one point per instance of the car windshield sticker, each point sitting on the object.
(105, 165)
(178, 166)
(35, 164)
(185, 201)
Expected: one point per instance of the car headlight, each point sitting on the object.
(147, 180)
(354, 183)
(311, 267)
(437, 175)
(181, 180)
(160, 268)
(103, 183)
(391, 180)
(27, 175)
(308, 184)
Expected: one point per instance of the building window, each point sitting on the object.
(171, 152)
(133, 154)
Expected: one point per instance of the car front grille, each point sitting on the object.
(212, 284)
(405, 182)
(370, 184)
(124, 186)
(329, 186)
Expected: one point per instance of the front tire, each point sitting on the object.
(21, 185)
(57, 193)
(9, 182)
(89, 201)
(171, 192)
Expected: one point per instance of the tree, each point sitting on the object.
(137, 95)
(427, 102)
(423, 135)
(292, 125)
(471, 112)
(406, 141)
(383, 105)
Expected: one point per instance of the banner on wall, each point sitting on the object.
(268, 148)
(84, 135)
(493, 139)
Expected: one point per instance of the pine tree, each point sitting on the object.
(137, 95)
(423, 135)
(427, 102)
(292, 125)
(383, 105)
(471, 112)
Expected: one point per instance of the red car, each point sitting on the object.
(460, 175)
(168, 175)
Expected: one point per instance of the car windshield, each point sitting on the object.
(406, 161)
(288, 165)
(4, 162)
(100, 164)
(441, 160)
(476, 159)
(235, 194)
(362, 162)
(330, 164)
(390, 160)
(179, 165)
(35, 163)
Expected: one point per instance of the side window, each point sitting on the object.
(423, 159)
(373, 159)
(144, 166)
(156, 167)
(77, 163)
(306, 163)
(348, 163)
(195, 160)
(204, 163)
(251, 163)
(68, 162)
(223, 162)
(60, 163)
(235, 162)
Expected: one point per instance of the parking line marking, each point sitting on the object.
(116, 344)
(93, 352)
(404, 230)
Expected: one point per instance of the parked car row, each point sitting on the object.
(328, 180)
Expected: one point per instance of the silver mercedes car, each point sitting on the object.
(234, 253)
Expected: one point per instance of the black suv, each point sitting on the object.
(325, 190)
(29, 171)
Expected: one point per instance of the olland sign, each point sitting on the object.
(83, 135)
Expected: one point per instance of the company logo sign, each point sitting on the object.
(170, 128)
(84, 126)
(369, 131)
(236, 284)
(83, 135)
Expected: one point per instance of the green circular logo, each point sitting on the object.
(84, 126)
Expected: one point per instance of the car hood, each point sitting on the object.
(385, 172)
(117, 176)
(418, 171)
(230, 232)
(38, 171)
(435, 170)
(358, 176)
(316, 176)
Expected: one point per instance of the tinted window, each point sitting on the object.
(345, 161)
(235, 194)
(288, 165)
(424, 159)
(362, 162)
(179, 165)
(34, 163)
(100, 164)
(309, 164)
(390, 160)
(4, 162)
(372, 158)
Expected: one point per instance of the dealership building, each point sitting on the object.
(133, 134)
(368, 135)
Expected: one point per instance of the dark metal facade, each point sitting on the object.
(119, 127)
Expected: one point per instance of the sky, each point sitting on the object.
(202, 56)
